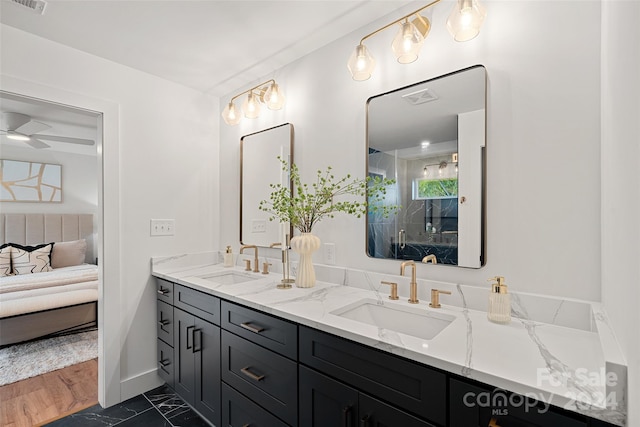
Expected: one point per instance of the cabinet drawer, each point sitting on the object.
(165, 290)
(198, 303)
(408, 385)
(268, 331)
(263, 376)
(238, 411)
(164, 327)
(165, 362)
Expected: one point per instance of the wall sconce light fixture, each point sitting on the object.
(464, 24)
(268, 93)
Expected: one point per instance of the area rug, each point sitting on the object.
(21, 361)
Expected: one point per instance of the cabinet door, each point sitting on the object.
(184, 373)
(206, 351)
(325, 401)
(374, 413)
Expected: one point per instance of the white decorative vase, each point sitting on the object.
(305, 245)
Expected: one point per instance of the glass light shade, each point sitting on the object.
(361, 63)
(251, 106)
(407, 43)
(465, 20)
(231, 115)
(273, 97)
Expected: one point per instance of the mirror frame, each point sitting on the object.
(482, 165)
(266, 196)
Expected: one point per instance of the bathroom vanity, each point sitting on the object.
(242, 352)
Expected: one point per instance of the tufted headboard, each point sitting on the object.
(31, 229)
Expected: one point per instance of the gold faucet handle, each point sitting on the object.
(247, 265)
(435, 297)
(265, 267)
(394, 289)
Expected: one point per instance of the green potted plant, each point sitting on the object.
(308, 204)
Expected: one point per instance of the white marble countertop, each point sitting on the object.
(558, 365)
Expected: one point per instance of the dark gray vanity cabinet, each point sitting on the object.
(189, 346)
(164, 330)
(472, 404)
(328, 402)
(259, 361)
(406, 387)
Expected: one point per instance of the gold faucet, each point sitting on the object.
(413, 285)
(431, 258)
(255, 259)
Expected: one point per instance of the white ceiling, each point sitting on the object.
(209, 45)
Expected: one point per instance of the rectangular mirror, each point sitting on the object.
(430, 138)
(260, 167)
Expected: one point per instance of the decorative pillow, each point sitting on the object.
(5, 260)
(67, 254)
(31, 259)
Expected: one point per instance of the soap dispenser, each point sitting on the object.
(228, 257)
(499, 302)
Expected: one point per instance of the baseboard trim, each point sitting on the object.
(132, 387)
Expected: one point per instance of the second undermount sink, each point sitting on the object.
(412, 321)
(228, 277)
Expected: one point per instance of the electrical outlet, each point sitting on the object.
(330, 253)
(259, 226)
(162, 227)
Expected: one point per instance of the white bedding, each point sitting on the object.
(61, 287)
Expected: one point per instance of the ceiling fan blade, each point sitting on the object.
(67, 139)
(12, 121)
(32, 127)
(36, 143)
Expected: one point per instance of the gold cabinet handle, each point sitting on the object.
(248, 326)
(250, 374)
(163, 291)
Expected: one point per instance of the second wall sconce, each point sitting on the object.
(268, 93)
(464, 24)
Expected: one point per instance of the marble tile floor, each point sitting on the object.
(160, 407)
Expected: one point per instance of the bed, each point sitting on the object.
(62, 297)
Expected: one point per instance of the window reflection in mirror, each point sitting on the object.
(430, 138)
(260, 167)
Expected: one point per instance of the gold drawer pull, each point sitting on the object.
(163, 291)
(250, 327)
(250, 374)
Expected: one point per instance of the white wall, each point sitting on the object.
(168, 148)
(543, 139)
(621, 183)
(79, 181)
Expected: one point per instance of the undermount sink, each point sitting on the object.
(412, 321)
(228, 277)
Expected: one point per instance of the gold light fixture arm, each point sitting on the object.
(254, 88)
(415, 12)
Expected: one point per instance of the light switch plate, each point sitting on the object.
(163, 227)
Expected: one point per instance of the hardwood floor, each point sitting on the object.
(47, 397)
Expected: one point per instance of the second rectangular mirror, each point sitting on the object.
(260, 167)
(430, 138)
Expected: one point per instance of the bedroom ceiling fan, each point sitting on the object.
(20, 127)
